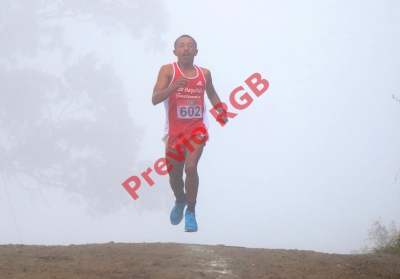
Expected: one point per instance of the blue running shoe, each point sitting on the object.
(190, 222)
(177, 213)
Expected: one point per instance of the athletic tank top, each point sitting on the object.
(185, 108)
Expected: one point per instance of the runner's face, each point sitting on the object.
(185, 49)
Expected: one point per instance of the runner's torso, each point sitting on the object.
(185, 108)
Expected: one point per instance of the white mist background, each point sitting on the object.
(307, 165)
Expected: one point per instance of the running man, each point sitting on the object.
(181, 87)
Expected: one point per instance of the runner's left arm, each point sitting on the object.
(211, 93)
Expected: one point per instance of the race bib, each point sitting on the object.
(189, 111)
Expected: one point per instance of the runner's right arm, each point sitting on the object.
(161, 90)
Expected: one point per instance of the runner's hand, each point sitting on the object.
(180, 82)
(221, 117)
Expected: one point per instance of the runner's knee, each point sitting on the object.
(173, 177)
(190, 169)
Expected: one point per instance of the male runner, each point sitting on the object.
(181, 86)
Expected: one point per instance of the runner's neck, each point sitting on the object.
(186, 68)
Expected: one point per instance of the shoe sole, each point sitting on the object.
(178, 222)
(190, 230)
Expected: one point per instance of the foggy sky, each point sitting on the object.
(308, 165)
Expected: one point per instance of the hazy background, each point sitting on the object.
(307, 165)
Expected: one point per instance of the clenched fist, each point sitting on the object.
(180, 82)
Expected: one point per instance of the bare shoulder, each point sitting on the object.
(167, 69)
(206, 72)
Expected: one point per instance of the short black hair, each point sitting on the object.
(176, 41)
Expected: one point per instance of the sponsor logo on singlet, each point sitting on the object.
(191, 90)
(179, 95)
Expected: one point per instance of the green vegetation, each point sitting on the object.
(392, 247)
(383, 240)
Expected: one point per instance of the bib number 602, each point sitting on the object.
(189, 112)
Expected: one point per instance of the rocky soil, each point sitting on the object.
(171, 260)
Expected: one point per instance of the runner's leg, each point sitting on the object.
(192, 177)
(176, 177)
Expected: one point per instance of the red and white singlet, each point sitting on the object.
(185, 108)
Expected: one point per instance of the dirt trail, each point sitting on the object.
(171, 260)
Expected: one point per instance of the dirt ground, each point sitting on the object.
(171, 260)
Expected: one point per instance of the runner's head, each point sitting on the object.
(185, 36)
(185, 48)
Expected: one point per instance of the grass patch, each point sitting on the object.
(392, 247)
(383, 241)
